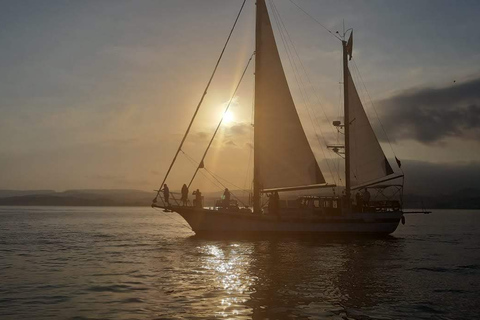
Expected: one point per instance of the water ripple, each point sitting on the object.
(131, 263)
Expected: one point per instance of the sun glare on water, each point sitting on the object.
(228, 117)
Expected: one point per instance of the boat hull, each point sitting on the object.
(205, 221)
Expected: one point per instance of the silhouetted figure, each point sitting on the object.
(276, 204)
(226, 198)
(366, 198)
(345, 200)
(166, 194)
(184, 194)
(358, 201)
(271, 203)
(198, 198)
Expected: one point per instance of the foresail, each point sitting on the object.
(283, 157)
(367, 160)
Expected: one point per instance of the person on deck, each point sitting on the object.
(166, 194)
(198, 198)
(358, 201)
(345, 200)
(366, 198)
(226, 198)
(276, 205)
(271, 203)
(184, 194)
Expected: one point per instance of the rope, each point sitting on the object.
(333, 34)
(221, 120)
(285, 36)
(195, 164)
(225, 180)
(201, 100)
(213, 176)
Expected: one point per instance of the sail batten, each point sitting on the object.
(283, 156)
(367, 160)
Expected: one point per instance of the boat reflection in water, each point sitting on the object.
(280, 278)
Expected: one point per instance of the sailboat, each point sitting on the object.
(284, 162)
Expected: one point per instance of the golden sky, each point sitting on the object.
(99, 94)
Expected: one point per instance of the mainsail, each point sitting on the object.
(367, 160)
(283, 157)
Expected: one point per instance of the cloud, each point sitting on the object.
(431, 115)
(230, 143)
(233, 135)
(239, 129)
(440, 178)
(428, 178)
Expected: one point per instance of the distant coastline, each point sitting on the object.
(464, 199)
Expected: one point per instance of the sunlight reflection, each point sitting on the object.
(231, 276)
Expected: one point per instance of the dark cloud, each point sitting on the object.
(433, 114)
(428, 178)
(424, 178)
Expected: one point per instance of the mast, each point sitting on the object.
(257, 206)
(346, 120)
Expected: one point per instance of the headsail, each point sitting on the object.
(367, 160)
(283, 157)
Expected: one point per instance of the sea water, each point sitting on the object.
(141, 263)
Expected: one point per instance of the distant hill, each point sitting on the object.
(79, 198)
(468, 198)
(462, 199)
(15, 193)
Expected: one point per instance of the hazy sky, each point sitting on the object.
(97, 94)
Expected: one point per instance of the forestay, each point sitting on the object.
(283, 157)
(367, 160)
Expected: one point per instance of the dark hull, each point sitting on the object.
(218, 222)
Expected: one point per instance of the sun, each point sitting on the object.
(228, 117)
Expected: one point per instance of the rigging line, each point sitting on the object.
(375, 110)
(304, 69)
(292, 44)
(308, 96)
(201, 100)
(220, 187)
(285, 36)
(192, 161)
(195, 164)
(319, 103)
(333, 34)
(297, 76)
(225, 187)
(226, 181)
(221, 120)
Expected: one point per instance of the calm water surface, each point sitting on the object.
(138, 263)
